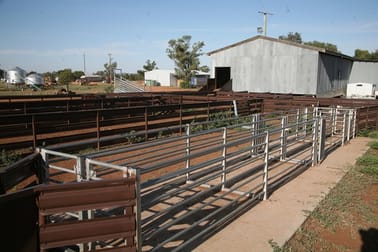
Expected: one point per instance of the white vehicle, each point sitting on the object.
(361, 90)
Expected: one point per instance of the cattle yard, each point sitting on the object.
(193, 172)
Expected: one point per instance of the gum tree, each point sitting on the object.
(186, 57)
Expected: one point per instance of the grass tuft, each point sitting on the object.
(374, 145)
(369, 159)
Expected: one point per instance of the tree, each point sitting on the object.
(365, 54)
(186, 57)
(2, 74)
(150, 66)
(296, 37)
(293, 37)
(50, 77)
(77, 74)
(327, 46)
(109, 71)
(65, 77)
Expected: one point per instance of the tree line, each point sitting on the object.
(184, 54)
(359, 54)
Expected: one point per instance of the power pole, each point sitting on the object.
(85, 71)
(265, 20)
(110, 67)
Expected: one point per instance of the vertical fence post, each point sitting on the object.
(322, 138)
(355, 122)
(138, 211)
(180, 112)
(297, 123)
(45, 159)
(187, 163)
(350, 120)
(367, 118)
(224, 153)
(315, 141)
(344, 129)
(34, 132)
(266, 161)
(254, 131)
(89, 172)
(80, 168)
(145, 123)
(283, 138)
(98, 128)
(235, 108)
(334, 112)
(305, 118)
(208, 108)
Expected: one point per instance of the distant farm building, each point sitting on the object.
(200, 79)
(168, 78)
(159, 77)
(264, 64)
(91, 78)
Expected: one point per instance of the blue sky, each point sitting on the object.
(49, 35)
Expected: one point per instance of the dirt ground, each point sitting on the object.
(346, 220)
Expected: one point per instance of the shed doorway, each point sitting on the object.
(223, 78)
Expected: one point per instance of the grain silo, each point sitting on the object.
(34, 80)
(16, 76)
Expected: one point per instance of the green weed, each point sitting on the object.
(374, 145)
(8, 157)
(368, 159)
(275, 246)
(373, 134)
(371, 170)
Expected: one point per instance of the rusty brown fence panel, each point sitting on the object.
(40, 218)
(367, 118)
(95, 229)
(18, 218)
(13, 174)
(42, 129)
(367, 110)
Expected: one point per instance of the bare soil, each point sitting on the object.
(346, 220)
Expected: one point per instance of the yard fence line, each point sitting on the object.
(203, 179)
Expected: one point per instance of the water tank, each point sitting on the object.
(16, 76)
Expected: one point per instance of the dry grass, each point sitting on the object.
(347, 218)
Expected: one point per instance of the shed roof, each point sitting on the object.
(318, 49)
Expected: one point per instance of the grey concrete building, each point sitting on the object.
(264, 64)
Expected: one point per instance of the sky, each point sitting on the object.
(50, 35)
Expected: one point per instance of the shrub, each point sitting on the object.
(185, 84)
(374, 145)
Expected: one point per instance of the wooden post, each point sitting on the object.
(145, 123)
(98, 128)
(180, 119)
(34, 132)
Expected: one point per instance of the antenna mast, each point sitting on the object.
(265, 20)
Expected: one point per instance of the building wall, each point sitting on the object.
(364, 72)
(333, 75)
(164, 77)
(267, 66)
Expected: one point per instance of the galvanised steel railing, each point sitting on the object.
(191, 185)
